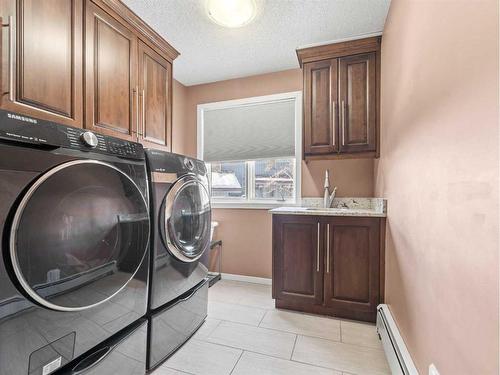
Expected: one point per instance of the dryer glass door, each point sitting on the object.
(187, 219)
(79, 235)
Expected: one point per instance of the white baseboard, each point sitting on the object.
(247, 279)
(396, 352)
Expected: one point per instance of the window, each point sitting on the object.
(228, 180)
(252, 150)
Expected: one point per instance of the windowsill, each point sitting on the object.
(252, 205)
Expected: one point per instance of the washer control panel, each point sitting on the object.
(110, 145)
(20, 128)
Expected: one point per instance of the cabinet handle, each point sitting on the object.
(334, 113)
(143, 127)
(317, 253)
(137, 123)
(10, 25)
(327, 248)
(343, 122)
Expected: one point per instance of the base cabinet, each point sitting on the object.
(328, 265)
(297, 251)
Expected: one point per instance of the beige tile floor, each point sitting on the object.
(245, 335)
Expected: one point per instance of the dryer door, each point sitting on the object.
(188, 218)
(79, 235)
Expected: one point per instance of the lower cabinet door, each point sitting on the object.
(173, 325)
(352, 286)
(297, 260)
(124, 354)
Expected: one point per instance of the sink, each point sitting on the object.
(325, 209)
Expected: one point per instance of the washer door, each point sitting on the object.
(188, 218)
(79, 235)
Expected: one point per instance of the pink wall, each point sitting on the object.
(247, 233)
(439, 172)
(180, 138)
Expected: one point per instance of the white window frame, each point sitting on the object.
(257, 204)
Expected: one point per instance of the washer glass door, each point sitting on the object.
(187, 219)
(79, 235)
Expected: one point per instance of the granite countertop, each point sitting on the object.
(362, 207)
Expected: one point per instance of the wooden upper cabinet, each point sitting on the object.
(341, 96)
(59, 55)
(297, 254)
(42, 59)
(320, 101)
(112, 97)
(357, 95)
(352, 284)
(155, 90)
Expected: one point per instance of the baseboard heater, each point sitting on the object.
(397, 354)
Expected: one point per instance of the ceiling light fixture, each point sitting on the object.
(232, 13)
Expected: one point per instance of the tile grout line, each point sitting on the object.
(293, 349)
(299, 333)
(262, 309)
(243, 305)
(231, 321)
(236, 364)
(369, 348)
(261, 320)
(212, 331)
(245, 350)
(340, 331)
(171, 368)
(315, 365)
(269, 356)
(274, 330)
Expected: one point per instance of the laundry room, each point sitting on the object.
(243, 187)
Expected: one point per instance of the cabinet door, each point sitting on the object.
(111, 75)
(320, 107)
(42, 59)
(297, 255)
(352, 267)
(155, 89)
(358, 98)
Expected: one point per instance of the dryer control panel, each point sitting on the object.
(20, 128)
(168, 162)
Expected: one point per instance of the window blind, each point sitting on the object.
(248, 132)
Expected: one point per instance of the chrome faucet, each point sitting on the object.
(328, 198)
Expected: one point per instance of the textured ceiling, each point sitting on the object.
(212, 53)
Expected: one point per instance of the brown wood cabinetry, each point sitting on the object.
(320, 119)
(298, 250)
(111, 90)
(155, 90)
(328, 265)
(357, 98)
(42, 59)
(87, 63)
(341, 95)
(352, 275)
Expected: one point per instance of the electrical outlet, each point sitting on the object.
(433, 370)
